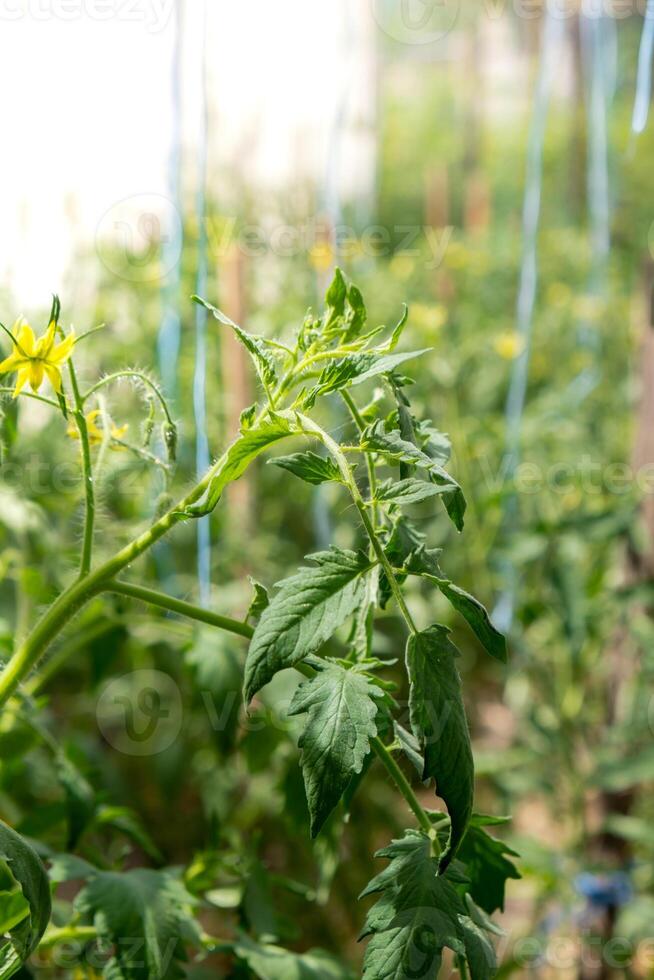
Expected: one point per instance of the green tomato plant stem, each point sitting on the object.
(4, 390)
(138, 375)
(77, 595)
(348, 479)
(68, 934)
(189, 609)
(87, 475)
(402, 783)
(370, 464)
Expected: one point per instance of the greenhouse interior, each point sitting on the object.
(327, 490)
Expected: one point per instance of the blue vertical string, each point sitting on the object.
(593, 47)
(200, 372)
(515, 403)
(600, 84)
(644, 74)
(168, 341)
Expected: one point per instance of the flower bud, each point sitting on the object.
(169, 432)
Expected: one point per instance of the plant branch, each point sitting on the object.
(401, 782)
(30, 394)
(179, 606)
(348, 478)
(370, 463)
(68, 934)
(143, 378)
(87, 474)
(77, 595)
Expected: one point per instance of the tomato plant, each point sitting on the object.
(445, 876)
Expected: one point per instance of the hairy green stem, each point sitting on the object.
(179, 606)
(311, 428)
(77, 595)
(68, 934)
(143, 378)
(4, 390)
(370, 463)
(401, 782)
(87, 475)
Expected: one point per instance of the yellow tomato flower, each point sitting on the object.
(509, 345)
(33, 358)
(94, 431)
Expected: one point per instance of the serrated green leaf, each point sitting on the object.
(404, 539)
(145, 916)
(420, 562)
(424, 561)
(269, 962)
(355, 314)
(416, 917)
(263, 360)
(240, 454)
(335, 297)
(408, 491)
(487, 865)
(391, 445)
(398, 329)
(361, 635)
(354, 369)
(477, 618)
(405, 421)
(480, 952)
(260, 600)
(27, 870)
(247, 417)
(410, 746)
(307, 610)
(439, 723)
(433, 442)
(341, 711)
(310, 467)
